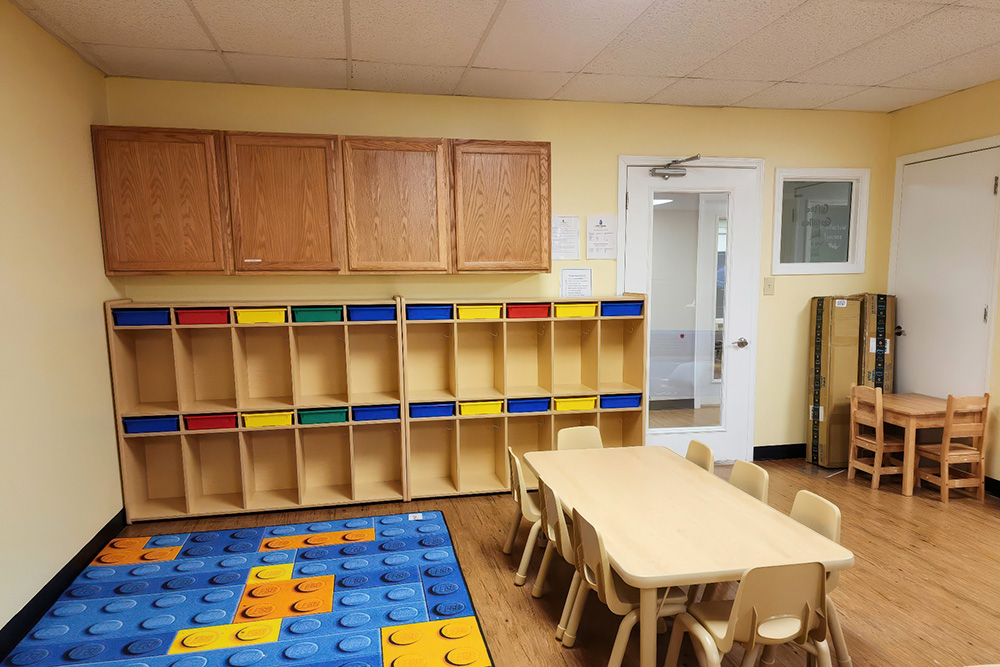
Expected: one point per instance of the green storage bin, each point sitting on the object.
(317, 313)
(323, 416)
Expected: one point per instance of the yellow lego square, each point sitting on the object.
(454, 642)
(225, 636)
(266, 573)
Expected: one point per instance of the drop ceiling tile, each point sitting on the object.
(393, 78)
(168, 64)
(674, 37)
(511, 84)
(708, 92)
(943, 34)
(982, 4)
(418, 32)
(965, 71)
(878, 98)
(300, 29)
(611, 88)
(293, 72)
(167, 24)
(797, 95)
(809, 35)
(554, 35)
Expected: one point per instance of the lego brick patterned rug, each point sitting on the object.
(383, 591)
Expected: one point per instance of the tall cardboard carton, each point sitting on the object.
(878, 326)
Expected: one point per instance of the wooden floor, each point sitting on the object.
(707, 415)
(924, 589)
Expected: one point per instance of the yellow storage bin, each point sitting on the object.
(260, 315)
(480, 407)
(479, 312)
(576, 310)
(262, 419)
(584, 403)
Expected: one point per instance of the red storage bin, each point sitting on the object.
(207, 422)
(525, 310)
(202, 315)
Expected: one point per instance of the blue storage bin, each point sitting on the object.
(371, 313)
(527, 405)
(621, 308)
(621, 401)
(141, 317)
(429, 312)
(151, 424)
(369, 413)
(418, 410)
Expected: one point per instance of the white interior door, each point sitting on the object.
(945, 273)
(692, 244)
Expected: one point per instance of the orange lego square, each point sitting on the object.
(285, 598)
(129, 551)
(455, 642)
(318, 539)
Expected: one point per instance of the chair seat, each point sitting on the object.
(890, 443)
(956, 452)
(532, 507)
(715, 615)
(630, 594)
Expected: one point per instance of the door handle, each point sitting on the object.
(900, 331)
(741, 342)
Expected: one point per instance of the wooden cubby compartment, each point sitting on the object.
(320, 366)
(373, 371)
(559, 422)
(433, 469)
(326, 465)
(154, 477)
(622, 352)
(529, 433)
(575, 357)
(145, 383)
(271, 470)
(482, 455)
(378, 462)
(480, 361)
(214, 472)
(430, 362)
(529, 359)
(621, 429)
(206, 380)
(263, 368)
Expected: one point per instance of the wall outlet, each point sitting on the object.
(769, 286)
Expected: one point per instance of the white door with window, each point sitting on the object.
(692, 244)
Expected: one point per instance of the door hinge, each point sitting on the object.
(986, 314)
(626, 200)
(996, 184)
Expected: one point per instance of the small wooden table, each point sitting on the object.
(912, 412)
(667, 522)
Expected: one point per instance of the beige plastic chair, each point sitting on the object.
(594, 569)
(868, 434)
(751, 479)
(527, 510)
(971, 425)
(557, 531)
(579, 437)
(701, 455)
(774, 605)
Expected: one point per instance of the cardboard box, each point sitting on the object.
(834, 362)
(878, 327)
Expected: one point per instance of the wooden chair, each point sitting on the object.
(579, 437)
(868, 433)
(964, 420)
(557, 531)
(701, 454)
(751, 479)
(527, 510)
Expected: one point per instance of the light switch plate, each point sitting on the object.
(769, 285)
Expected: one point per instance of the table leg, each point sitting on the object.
(647, 627)
(909, 453)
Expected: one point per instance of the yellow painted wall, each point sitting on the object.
(59, 479)
(587, 139)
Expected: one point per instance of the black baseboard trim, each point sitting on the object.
(993, 486)
(775, 452)
(36, 607)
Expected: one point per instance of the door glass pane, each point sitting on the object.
(687, 309)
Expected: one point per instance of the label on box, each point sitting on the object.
(840, 303)
(873, 345)
(816, 413)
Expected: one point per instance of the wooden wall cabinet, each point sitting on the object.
(502, 206)
(398, 204)
(287, 202)
(161, 204)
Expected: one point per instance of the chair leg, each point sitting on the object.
(981, 491)
(767, 655)
(837, 634)
(543, 571)
(877, 467)
(852, 456)
(944, 481)
(508, 546)
(822, 652)
(621, 639)
(574, 589)
(569, 637)
(676, 639)
(522, 570)
(751, 656)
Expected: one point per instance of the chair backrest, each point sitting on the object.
(554, 521)
(866, 410)
(750, 478)
(966, 418)
(778, 604)
(579, 437)
(593, 564)
(820, 515)
(700, 454)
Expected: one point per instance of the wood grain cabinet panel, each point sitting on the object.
(159, 198)
(398, 204)
(502, 206)
(287, 204)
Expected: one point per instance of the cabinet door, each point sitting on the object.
(502, 209)
(398, 204)
(158, 192)
(285, 196)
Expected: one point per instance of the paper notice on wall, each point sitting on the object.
(602, 237)
(565, 237)
(575, 283)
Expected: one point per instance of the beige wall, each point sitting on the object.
(59, 474)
